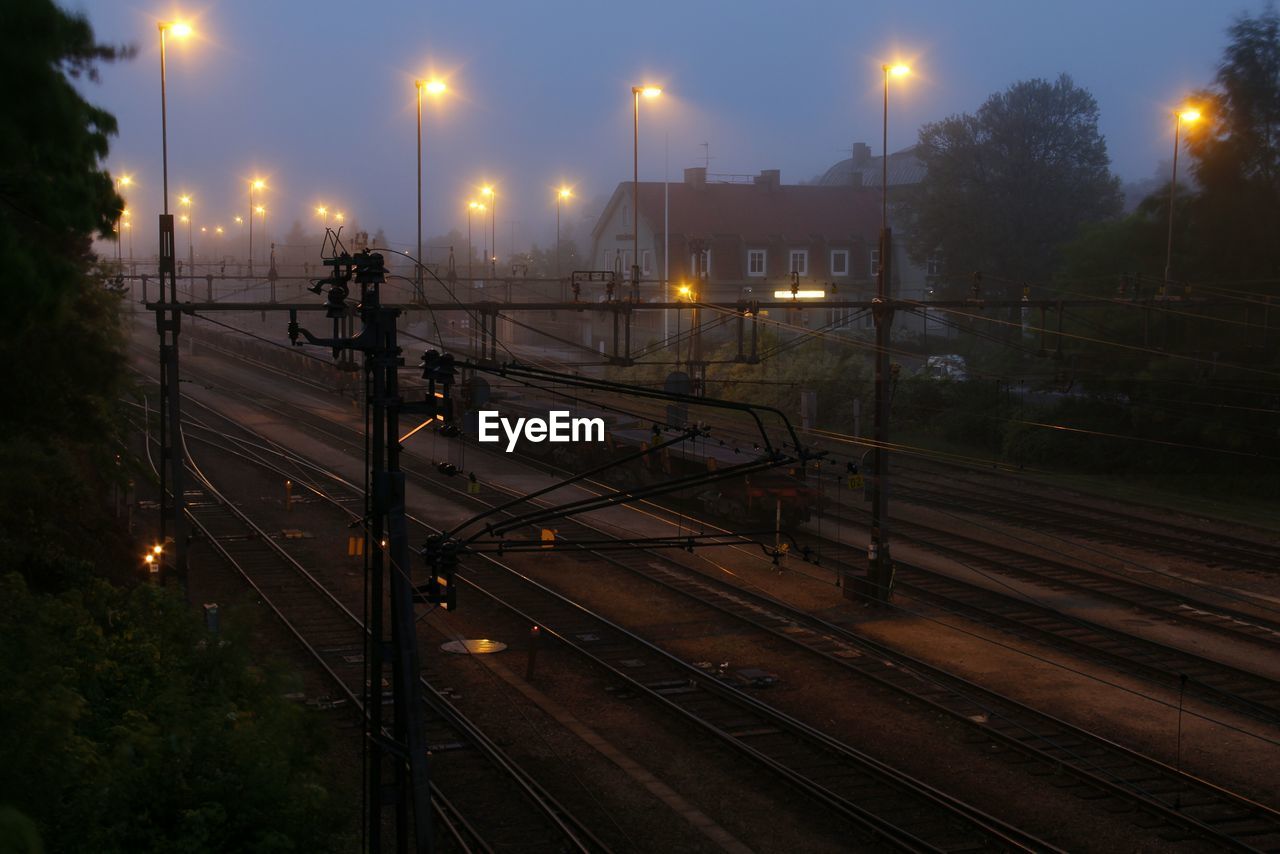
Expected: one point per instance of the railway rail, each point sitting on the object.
(1103, 768)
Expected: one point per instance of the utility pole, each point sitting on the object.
(397, 762)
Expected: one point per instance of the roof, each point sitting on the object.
(753, 211)
(904, 168)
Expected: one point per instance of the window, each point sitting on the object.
(756, 262)
(933, 266)
(706, 263)
(800, 261)
(840, 262)
(646, 261)
(875, 262)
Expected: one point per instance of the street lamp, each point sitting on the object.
(433, 87)
(561, 194)
(262, 210)
(636, 92)
(254, 184)
(1190, 115)
(340, 217)
(489, 193)
(185, 201)
(324, 212)
(171, 405)
(879, 563)
(121, 182)
(897, 70)
(180, 30)
(471, 206)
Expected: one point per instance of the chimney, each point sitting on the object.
(771, 179)
(695, 177)
(861, 154)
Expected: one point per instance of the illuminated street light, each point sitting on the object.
(262, 210)
(1190, 115)
(433, 87)
(340, 216)
(561, 194)
(897, 70)
(121, 182)
(472, 205)
(185, 201)
(254, 184)
(636, 92)
(492, 195)
(324, 212)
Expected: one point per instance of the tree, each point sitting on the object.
(1236, 157)
(1007, 186)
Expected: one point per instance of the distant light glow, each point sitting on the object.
(180, 29)
(486, 190)
(186, 200)
(799, 294)
(260, 209)
(898, 70)
(565, 192)
(648, 91)
(436, 87)
(1190, 115)
(258, 183)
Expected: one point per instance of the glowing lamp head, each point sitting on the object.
(322, 210)
(647, 91)
(435, 87)
(186, 200)
(684, 290)
(126, 180)
(257, 183)
(218, 230)
(260, 209)
(184, 218)
(565, 192)
(1189, 115)
(239, 220)
(486, 191)
(157, 549)
(180, 29)
(898, 69)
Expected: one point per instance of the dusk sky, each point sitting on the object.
(318, 97)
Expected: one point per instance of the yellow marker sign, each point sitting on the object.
(855, 481)
(548, 538)
(355, 546)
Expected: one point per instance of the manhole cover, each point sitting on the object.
(473, 646)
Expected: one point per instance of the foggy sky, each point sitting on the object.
(317, 97)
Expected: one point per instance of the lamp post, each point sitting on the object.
(170, 399)
(262, 209)
(121, 182)
(488, 192)
(255, 184)
(323, 212)
(1188, 115)
(185, 201)
(897, 70)
(636, 92)
(471, 206)
(561, 194)
(434, 87)
(879, 562)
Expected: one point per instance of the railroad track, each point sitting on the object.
(473, 780)
(887, 805)
(1067, 744)
(1080, 521)
(1155, 601)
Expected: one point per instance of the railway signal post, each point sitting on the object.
(397, 761)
